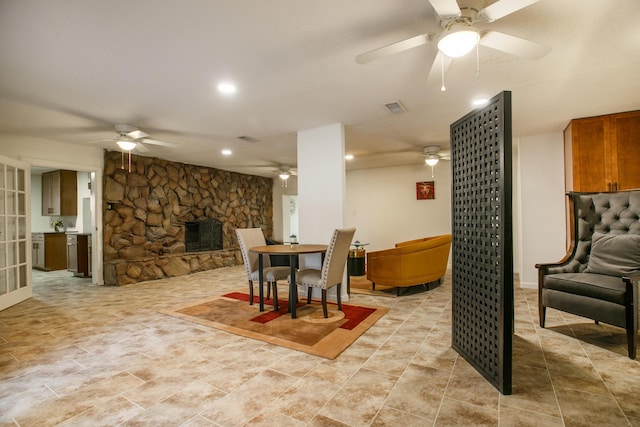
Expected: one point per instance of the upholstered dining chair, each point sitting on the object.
(332, 269)
(249, 238)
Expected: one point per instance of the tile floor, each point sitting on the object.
(82, 355)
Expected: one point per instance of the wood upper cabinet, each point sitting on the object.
(60, 193)
(603, 153)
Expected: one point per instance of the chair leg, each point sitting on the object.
(324, 303)
(275, 294)
(268, 290)
(339, 296)
(250, 292)
(309, 291)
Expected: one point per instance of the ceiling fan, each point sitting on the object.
(459, 34)
(131, 138)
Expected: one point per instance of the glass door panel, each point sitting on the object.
(15, 278)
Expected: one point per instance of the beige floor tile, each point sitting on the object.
(77, 354)
(358, 401)
(456, 413)
(585, 409)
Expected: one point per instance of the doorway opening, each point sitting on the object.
(289, 217)
(73, 237)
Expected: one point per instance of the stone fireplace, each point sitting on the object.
(166, 219)
(203, 235)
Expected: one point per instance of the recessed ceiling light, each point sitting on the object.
(226, 152)
(349, 157)
(480, 101)
(226, 88)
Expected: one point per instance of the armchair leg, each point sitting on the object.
(631, 314)
(250, 292)
(632, 335)
(309, 289)
(542, 314)
(339, 297)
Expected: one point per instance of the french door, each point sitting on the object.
(15, 280)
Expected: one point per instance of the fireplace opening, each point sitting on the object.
(203, 235)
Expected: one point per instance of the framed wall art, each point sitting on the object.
(425, 190)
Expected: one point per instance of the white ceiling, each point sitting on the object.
(71, 69)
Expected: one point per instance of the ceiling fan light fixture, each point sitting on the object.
(432, 161)
(126, 145)
(458, 41)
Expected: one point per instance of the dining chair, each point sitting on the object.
(249, 238)
(332, 270)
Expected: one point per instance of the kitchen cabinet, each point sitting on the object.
(78, 254)
(602, 153)
(48, 251)
(60, 193)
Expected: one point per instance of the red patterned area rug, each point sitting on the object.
(310, 332)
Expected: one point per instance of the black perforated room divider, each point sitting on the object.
(482, 254)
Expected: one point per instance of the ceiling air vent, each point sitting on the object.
(246, 138)
(396, 107)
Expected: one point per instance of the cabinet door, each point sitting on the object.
(625, 135)
(54, 190)
(47, 203)
(591, 154)
(68, 193)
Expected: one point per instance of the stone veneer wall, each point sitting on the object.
(145, 211)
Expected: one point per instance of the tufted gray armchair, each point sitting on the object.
(598, 278)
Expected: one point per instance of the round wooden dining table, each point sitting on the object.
(293, 250)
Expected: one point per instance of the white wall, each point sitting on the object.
(382, 205)
(541, 207)
(321, 182)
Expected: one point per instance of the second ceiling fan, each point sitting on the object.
(459, 35)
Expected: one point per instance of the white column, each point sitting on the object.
(321, 187)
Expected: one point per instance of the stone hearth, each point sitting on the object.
(145, 212)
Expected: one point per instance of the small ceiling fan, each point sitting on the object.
(131, 138)
(433, 154)
(459, 34)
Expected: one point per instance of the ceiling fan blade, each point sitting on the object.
(137, 134)
(446, 8)
(502, 8)
(514, 45)
(101, 141)
(162, 143)
(141, 148)
(391, 49)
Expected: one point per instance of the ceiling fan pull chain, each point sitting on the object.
(477, 62)
(443, 88)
